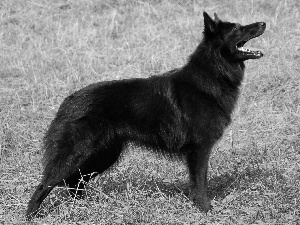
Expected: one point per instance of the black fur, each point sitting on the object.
(182, 113)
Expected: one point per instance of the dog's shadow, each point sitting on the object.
(218, 187)
(221, 186)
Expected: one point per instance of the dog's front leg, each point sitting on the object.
(197, 160)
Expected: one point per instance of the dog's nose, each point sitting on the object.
(262, 24)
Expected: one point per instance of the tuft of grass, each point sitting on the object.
(50, 49)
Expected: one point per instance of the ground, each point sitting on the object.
(49, 49)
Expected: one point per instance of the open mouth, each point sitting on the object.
(249, 51)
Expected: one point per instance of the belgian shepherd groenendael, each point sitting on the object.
(182, 113)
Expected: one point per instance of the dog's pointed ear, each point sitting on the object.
(209, 24)
(217, 20)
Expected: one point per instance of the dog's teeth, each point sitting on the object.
(244, 49)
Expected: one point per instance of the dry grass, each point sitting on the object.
(49, 49)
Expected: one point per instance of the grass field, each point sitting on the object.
(49, 49)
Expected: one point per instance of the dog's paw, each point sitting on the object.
(202, 202)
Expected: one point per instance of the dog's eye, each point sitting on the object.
(234, 28)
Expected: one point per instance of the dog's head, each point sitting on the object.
(231, 37)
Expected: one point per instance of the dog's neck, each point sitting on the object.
(210, 58)
(209, 72)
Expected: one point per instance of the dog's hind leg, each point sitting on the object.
(56, 170)
(76, 182)
(71, 170)
(41, 192)
(96, 164)
(197, 159)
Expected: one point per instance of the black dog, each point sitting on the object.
(181, 113)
